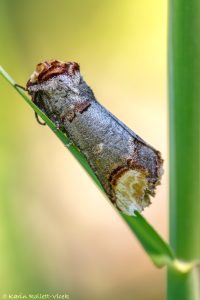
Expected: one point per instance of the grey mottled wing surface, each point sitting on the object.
(128, 168)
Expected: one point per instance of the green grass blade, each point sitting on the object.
(184, 113)
(153, 244)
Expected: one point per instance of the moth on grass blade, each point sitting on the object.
(128, 168)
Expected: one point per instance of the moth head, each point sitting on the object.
(51, 69)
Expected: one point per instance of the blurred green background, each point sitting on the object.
(58, 234)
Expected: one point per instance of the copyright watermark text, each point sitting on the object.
(36, 296)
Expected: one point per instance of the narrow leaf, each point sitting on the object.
(154, 245)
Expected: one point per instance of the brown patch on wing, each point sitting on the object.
(116, 173)
(78, 108)
(119, 171)
(83, 106)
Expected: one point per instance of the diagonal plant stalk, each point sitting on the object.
(157, 249)
(184, 110)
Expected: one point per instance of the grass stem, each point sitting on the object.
(184, 104)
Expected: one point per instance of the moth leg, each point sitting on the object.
(36, 115)
(38, 120)
(33, 99)
(20, 86)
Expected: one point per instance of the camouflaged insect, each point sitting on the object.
(127, 167)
